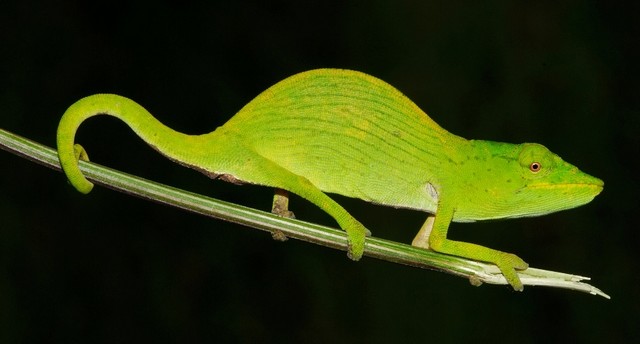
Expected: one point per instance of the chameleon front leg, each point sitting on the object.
(422, 237)
(507, 263)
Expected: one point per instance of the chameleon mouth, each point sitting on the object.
(587, 183)
(573, 194)
(585, 189)
(545, 198)
(566, 186)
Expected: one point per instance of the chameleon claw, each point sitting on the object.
(352, 254)
(279, 235)
(475, 281)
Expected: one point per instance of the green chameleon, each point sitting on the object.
(345, 132)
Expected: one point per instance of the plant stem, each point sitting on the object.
(476, 272)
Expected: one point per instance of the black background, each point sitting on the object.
(110, 268)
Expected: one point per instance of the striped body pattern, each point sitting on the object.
(365, 137)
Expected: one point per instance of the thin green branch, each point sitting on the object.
(476, 272)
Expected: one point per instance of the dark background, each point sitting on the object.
(111, 268)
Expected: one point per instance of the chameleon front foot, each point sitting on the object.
(508, 264)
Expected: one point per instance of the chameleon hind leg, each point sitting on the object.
(280, 204)
(266, 172)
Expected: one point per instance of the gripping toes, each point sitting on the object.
(508, 265)
(356, 235)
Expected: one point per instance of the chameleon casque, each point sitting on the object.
(345, 132)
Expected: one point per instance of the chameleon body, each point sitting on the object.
(345, 132)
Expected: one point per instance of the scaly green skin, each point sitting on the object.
(345, 132)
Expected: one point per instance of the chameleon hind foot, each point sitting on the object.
(356, 234)
(280, 207)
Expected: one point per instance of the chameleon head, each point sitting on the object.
(524, 180)
(547, 183)
(550, 184)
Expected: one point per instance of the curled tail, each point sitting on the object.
(159, 136)
(68, 153)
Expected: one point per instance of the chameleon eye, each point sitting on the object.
(535, 167)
